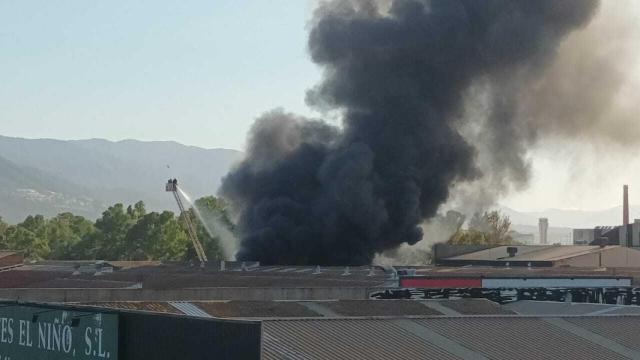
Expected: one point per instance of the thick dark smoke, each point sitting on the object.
(400, 75)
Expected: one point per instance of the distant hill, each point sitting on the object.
(84, 176)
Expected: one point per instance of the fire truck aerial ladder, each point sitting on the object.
(172, 186)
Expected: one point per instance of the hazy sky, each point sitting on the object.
(196, 71)
(199, 71)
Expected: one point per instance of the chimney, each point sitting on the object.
(543, 225)
(625, 205)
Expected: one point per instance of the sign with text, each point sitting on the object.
(38, 333)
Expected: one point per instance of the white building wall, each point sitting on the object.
(553, 282)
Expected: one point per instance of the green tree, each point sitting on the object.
(214, 217)
(112, 229)
(3, 229)
(490, 228)
(137, 211)
(36, 224)
(216, 209)
(21, 239)
(67, 234)
(176, 240)
(30, 237)
(156, 236)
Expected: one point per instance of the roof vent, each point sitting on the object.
(371, 271)
(76, 270)
(346, 271)
(512, 251)
(603, 242)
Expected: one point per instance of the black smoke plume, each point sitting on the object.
(398, 72)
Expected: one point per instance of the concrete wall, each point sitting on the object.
(91, 295)
(591, 260)
(635, 234)
(617, 257)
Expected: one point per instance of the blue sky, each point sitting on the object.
(197, 71)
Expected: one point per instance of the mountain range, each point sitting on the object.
(44, 176)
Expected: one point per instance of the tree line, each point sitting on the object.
(121, 233)
(132, 233)
(488, 228)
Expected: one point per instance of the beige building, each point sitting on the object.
(613, 256)
(608, 256)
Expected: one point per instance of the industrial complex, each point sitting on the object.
(471, 302)
(244, 310)
(356, 219)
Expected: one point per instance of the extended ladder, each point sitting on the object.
(191, 229)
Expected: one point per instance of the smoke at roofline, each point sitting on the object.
(310, 193)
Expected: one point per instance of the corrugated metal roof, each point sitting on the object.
(497, 252)
(344, 339)
(517, 338)
(155, 306)
(530, 307)
(473, 306)
(531, 253)
(379, 307)
(255, 309)
(622, 329)
(190, 309)
(496, 337)
(328, 308)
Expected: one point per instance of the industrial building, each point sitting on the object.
(543, 228)
(521, 238)
(627, 234)
(243, 310)
(447, 329)
(589, 256)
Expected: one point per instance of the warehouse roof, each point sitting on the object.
(331, 308)
(460, 329)
(531, 253)
(496, 337)
(152, 275)
(530, 307)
